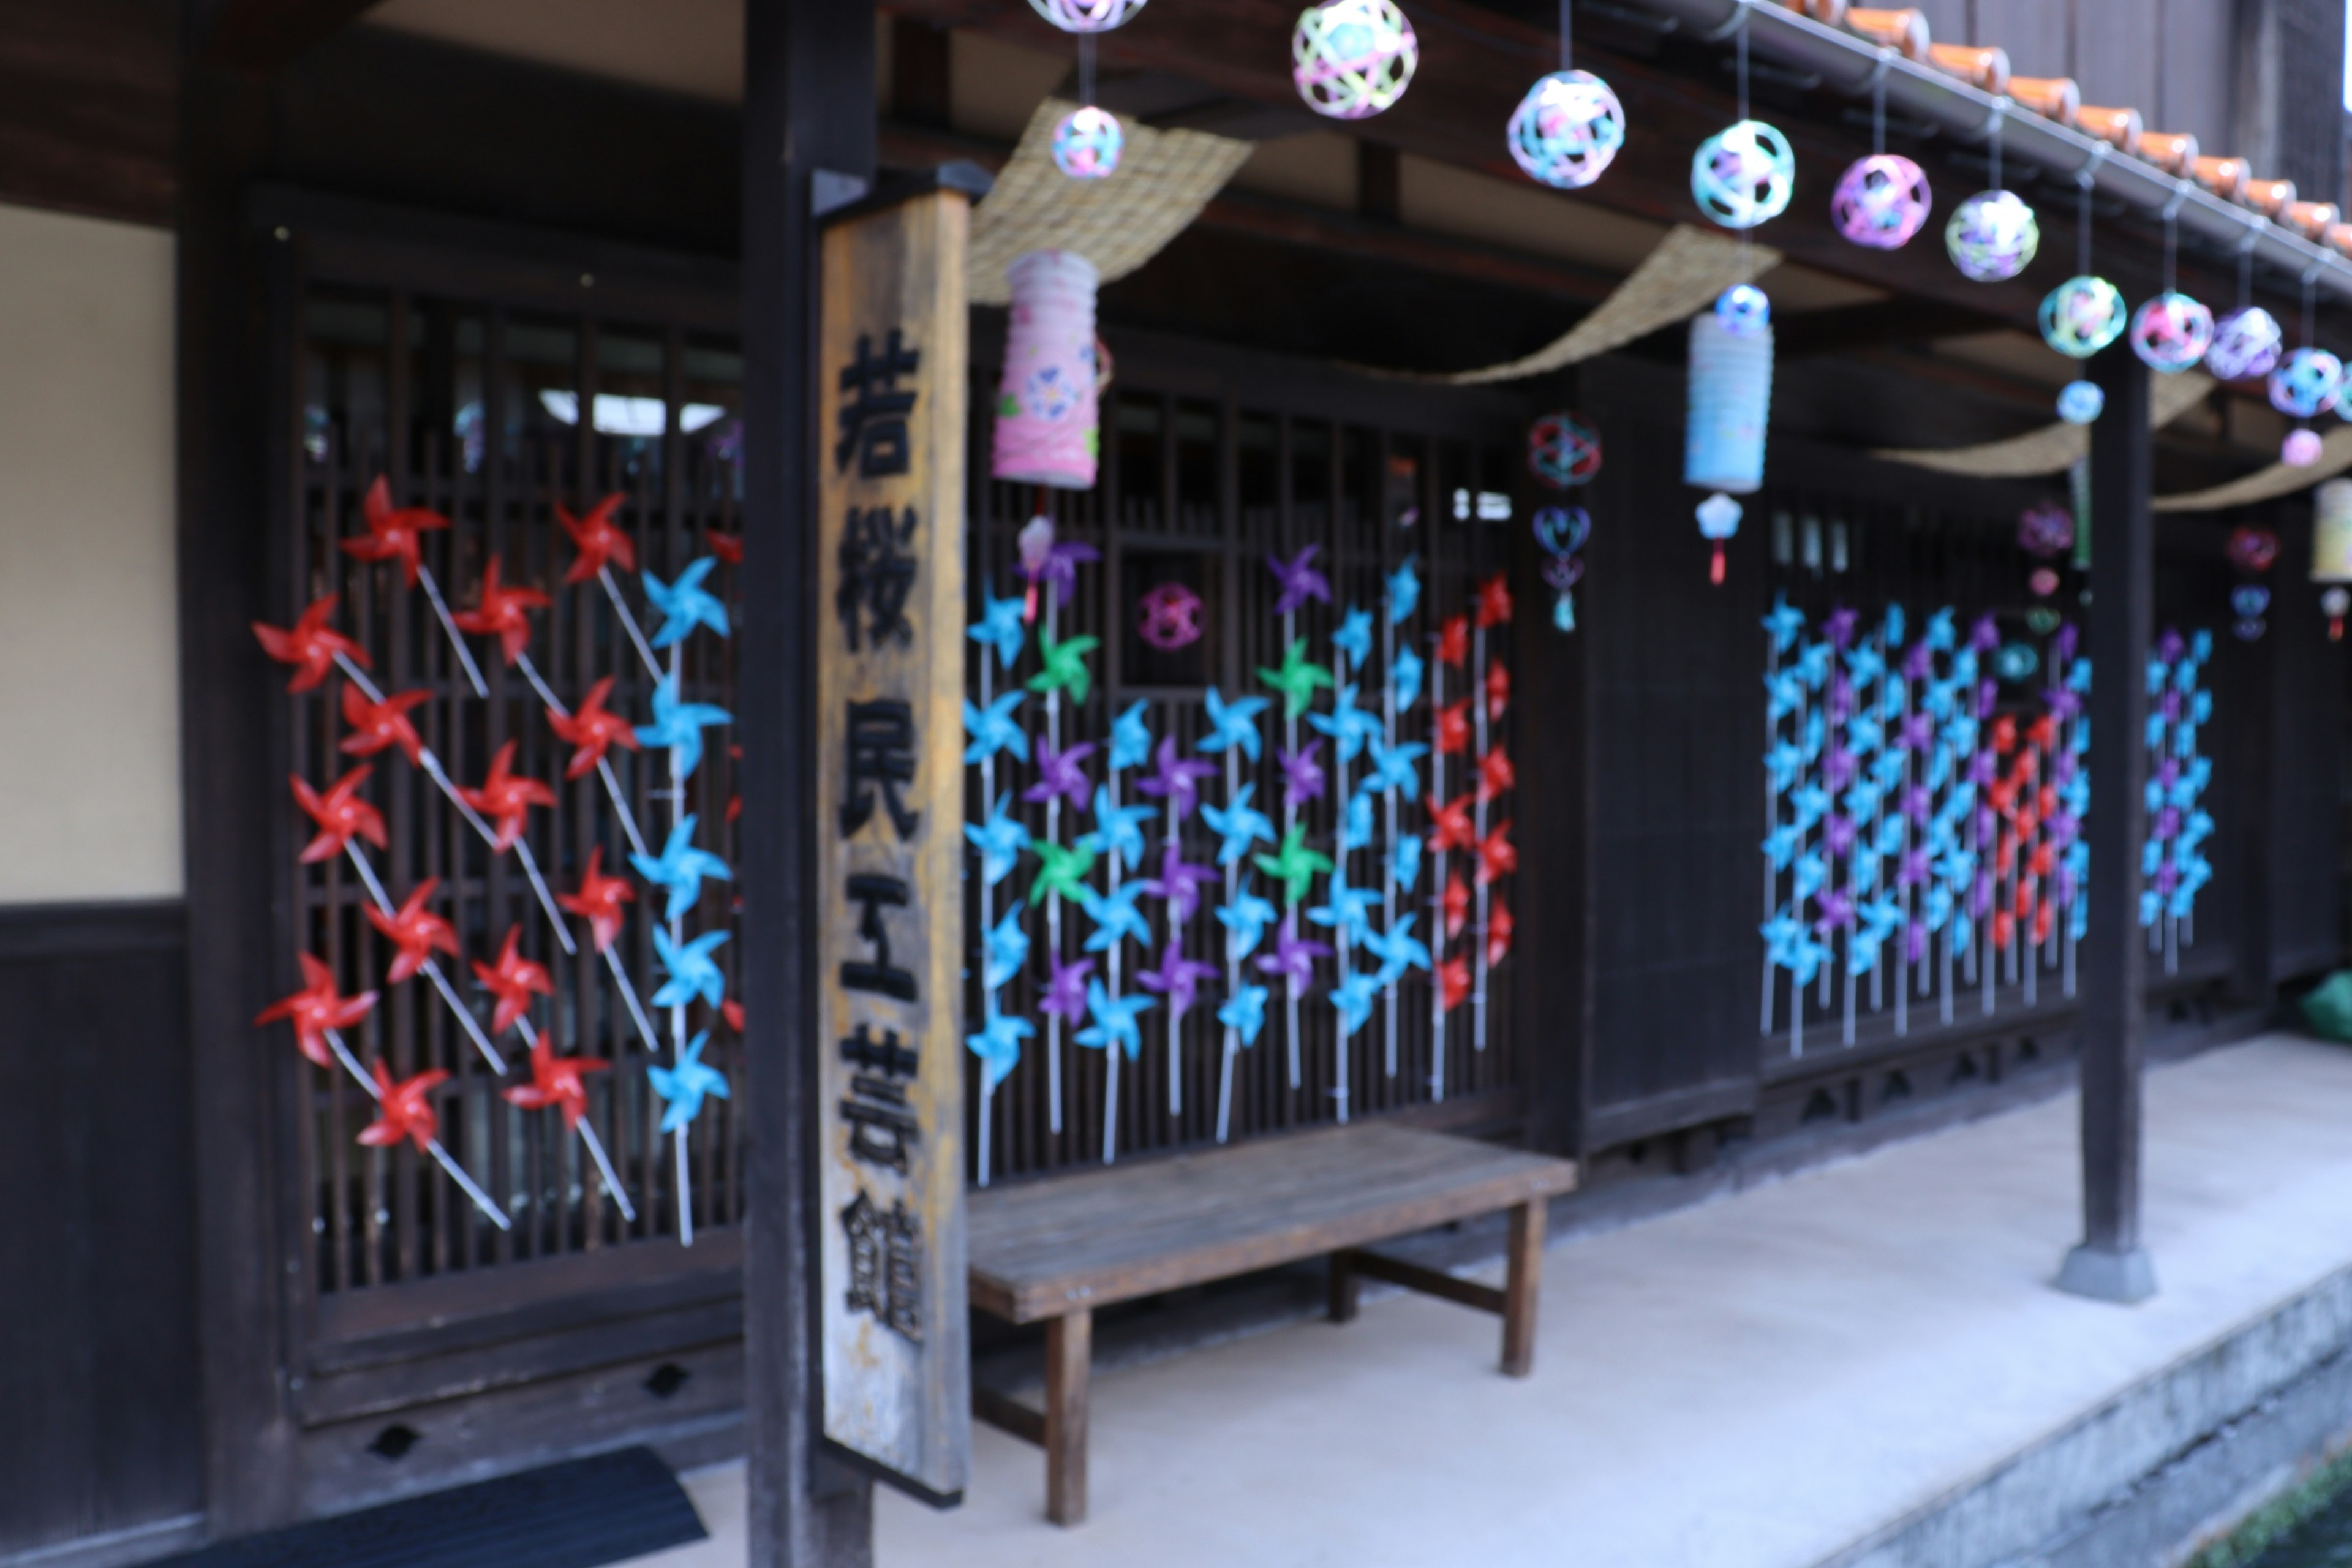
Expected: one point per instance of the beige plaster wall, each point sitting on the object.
(90, 731)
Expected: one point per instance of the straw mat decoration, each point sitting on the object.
(2054, 447)
(2267, 484)
(1119, 222)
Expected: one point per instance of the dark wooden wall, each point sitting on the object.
(98, 1372)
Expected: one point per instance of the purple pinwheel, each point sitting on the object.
(1058, 567)
(1918, 731)
(1837, 909)
(1984, 637)
(1982, 767)
(1059, 773)
(2169, 646)
(2168, 823)
(1292, 960)
(1177, 779)
(1066, 994)
(2062, 826)
(1839, 627)
(1914, 942)
(1299, 582)
(1302, 776)
(1987, 692)
(2064, 701)
(1920, 662)
(1180, 883)
(1913, 869)
(1917, 803)
(1837, 834)
(2062, 646)
(1178, 977)
(1838, 768)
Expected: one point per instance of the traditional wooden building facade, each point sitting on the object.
(515, 259)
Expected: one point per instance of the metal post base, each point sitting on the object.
(2127, 1278)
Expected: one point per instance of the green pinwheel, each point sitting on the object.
(1296, 679)
(1066, 665)
(1293, 865)
(1063, 872)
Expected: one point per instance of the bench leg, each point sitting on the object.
(1341, 1280)
(1069, 1349)
(1519, 1289)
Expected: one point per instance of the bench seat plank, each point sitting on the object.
(1041, 1249)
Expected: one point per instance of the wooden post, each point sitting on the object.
(2110, 1264)
(808, 111)
(1340, 1287)
(1069, 1353)
(1522, 1283)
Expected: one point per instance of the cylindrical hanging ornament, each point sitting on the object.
(1729, 402)
(1046, 412)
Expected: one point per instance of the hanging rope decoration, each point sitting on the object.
(1560, 532)
(1353, 59)
(1880, 201)
(1563, 450)
(1569, 125)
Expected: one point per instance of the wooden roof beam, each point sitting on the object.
(262, 37)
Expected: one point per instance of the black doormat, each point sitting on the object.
(581, 1514)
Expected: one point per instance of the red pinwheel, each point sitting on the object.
(315, 1009)
(1499, 927)
(555, 1081)
(1449, 823)
(728, 547)
(1454, 728)
(597, 539)
(591, 731)
(416, 930)
(394, 533)
(309, 645)
(2004, 733)
(1453, 640)
(1497, 856)
(1452, 982)
(504, 612)
(1494, 603)
(2043, 731)
(598, 900)
(512, 980)
(1496, 774)
(404, 1111)
(505, 798)
(341, 815)
(1454, 905)
(377, 725)
(1499, 692)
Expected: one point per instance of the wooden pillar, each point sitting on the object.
(2110, 1264)
(808, 128)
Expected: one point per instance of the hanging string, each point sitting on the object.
(2245, 276)
(1878, 108)
(1999, 120)
(1086, 69)
(1743, 62)
(2082, 228)
(2310, 310)
(1567, 50)
(1747, 236)
(2171, 245)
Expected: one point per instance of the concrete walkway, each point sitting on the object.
(1778, 1380)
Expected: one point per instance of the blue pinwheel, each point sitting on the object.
(1245, 916)
(1244, 1013)
(1781, 764)
(1000, 841)
(1356, 823)
(1397, 948)
(1130, 737)
(991, 728)
(1114, 1021)
(1393, 766)
(1405, 861)
(685, 1085)
(1237, 824)
(692, 971)
(1354, 637)
(685, 603)
(1893, 631)
(1344, 909)
(1115, 916)
(1784, 623)
(1404, 591)
(1233, 723)
(1005, 950)
(1348, 725)
(998, 1044)
(1353, 999)
(999, 628)
(680, 867)
(1942, 634)
(1404, 677)
(1119, 829)
(678, 726)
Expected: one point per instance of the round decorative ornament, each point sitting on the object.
(2046, 530)
(2300, 449)
(1992, 236)
(2171, 332)
(2249, 599)
(1086, 15)
(1744, 309)
(2334, 603)
(2042, 620)
(2080, 402)
(1880, 201)
(1563, 450)
(1353, 59)
(2306, 383)
(2042, 580)
(1169, 618)
(1566, 129)
(1562, 529)
(2016, 661)
(2082, 316)
(1087, 142)
(1719, 519)
(2253, 550)
(2245, 343)
(1743, 174)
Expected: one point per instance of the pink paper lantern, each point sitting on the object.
(1046, 416)
(1880, 201)
(2300, 449)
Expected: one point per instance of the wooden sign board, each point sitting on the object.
(889, 611)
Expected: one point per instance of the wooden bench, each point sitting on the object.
(1054, 1250)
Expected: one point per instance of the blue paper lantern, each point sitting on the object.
(1744, 175)
(1744, 309)
(2080, 402)
(2082, 316)
(1729, 404)
(1566, 129)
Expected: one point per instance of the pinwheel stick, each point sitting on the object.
(431, 966)
(588, 1136)
(629, 622)
(1233, 961)
(603, 764)
(629, 994)
(456, 641)
(1110, 1103)
(1289, 820)
(449, 1167)
(1054, 901)
(1437, 882)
